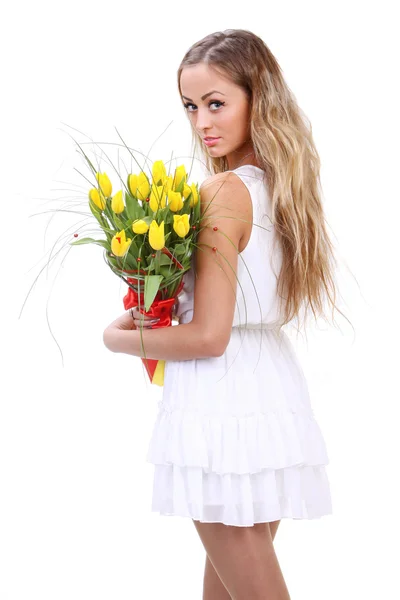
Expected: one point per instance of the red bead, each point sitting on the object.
(194, 227)
(75, 235)
(139, 259)
(215, 228)
(153, 255)
(214, 249)
(147, 199)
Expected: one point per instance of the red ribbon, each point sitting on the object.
(159, 308)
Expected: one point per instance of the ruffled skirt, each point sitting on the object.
(235, 439)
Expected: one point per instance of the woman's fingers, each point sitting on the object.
(140, 319)
(136, 314)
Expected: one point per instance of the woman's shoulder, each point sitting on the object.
(223, 195)
(225, 183)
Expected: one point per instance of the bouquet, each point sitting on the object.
(150, 230)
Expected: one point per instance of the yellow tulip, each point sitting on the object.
(117, 204)
(186, 190)
(140, 226)
(156, 235)
(181, 225)
(139, 185)
(159, 172)
(97, 198)
(104, 184)
(168, 182)
(157, 197)
(180, 173)
(132, 183)
(119, 244)
(143, 189)
(175, 201)
(195, 196)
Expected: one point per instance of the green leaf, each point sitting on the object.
(179, 249)
(151, 264)
(185, 210)
(111, 260)
(133, 248)
(91, 241)
(165, 260)
(130, 261)
(166, 272)
(119, 223)
(83, 241)
(144, 261)
(96, 212)
(151, 287)
(133, 208)
(169, 218)
(159, 215)
(179, 188)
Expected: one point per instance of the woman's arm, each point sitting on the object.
(177, 342)
(227, 202)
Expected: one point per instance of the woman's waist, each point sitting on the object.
(187, 315)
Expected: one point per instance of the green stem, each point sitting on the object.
(157, 262)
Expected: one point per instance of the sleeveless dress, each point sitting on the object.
(235, 439)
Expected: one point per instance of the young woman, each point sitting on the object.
(235, 445)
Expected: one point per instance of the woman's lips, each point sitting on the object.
(211, 141)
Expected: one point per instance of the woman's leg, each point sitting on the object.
(245, 561)
(213, 588)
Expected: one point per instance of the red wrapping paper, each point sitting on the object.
(161, 309)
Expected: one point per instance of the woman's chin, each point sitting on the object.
(215, 152)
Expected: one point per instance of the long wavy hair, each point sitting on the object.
(283, 144)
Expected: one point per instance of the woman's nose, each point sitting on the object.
(203, 120)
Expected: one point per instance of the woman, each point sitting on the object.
(236, 446)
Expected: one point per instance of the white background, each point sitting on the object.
(75, 421)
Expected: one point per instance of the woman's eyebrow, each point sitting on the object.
(205, 95)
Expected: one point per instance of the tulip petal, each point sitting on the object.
(117, 204)
(156, 235)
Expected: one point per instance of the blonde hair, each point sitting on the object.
(284, 148)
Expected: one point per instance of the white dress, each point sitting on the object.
(235, 439)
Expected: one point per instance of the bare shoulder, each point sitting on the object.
(225, 193)
(227, 179)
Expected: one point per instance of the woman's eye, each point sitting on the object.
(209, 104)
(217, 102)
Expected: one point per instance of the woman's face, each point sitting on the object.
(218, 108)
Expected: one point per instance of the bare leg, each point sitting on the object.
(213, 588)
(245, 560)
